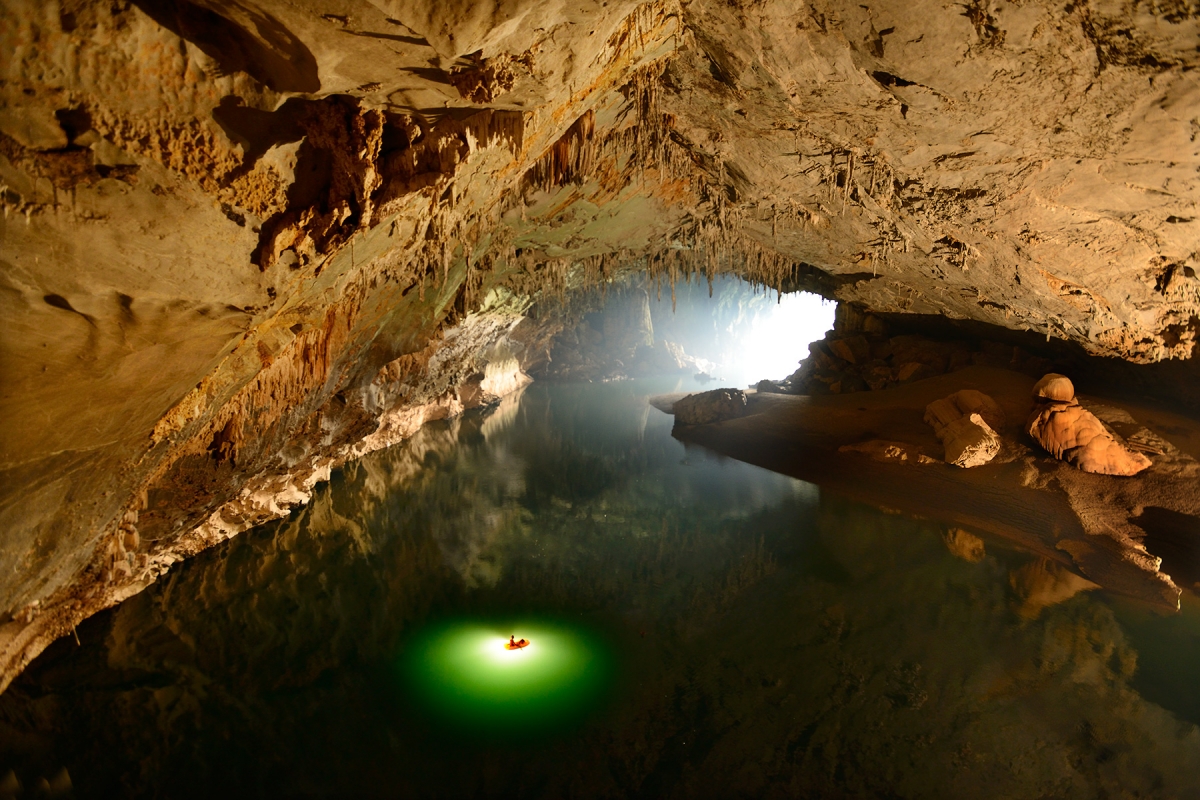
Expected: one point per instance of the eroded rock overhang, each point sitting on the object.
(243, 242)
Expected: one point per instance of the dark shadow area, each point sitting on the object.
(58, 301)
(1172, 385)
(74, 121)
(325, 160)
(807, 278)
(887, 79)
(314, 173)
(431, 74)
(1175, 538)
(271, 54)
(258, 131)
(391, 37)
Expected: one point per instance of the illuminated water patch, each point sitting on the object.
(465, 677)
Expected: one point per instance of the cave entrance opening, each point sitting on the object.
(747, 333)
(737, 333)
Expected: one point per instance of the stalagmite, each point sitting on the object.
(1073, 434)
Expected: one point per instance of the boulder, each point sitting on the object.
(884, 450)
(1054, 387)
(911, 348)
(1071, 433)
(852, 349)
(966, 422)
(878, 376)
(841, 349)
(915, 371)
(767, 386)
(705, 408)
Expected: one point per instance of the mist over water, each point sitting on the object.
(748, 333)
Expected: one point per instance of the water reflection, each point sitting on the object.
(769, 640)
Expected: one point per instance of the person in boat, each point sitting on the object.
(515, 644)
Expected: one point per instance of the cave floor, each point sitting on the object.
(745, 633)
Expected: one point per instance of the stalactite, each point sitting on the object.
(569, 159)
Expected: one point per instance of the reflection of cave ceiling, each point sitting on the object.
(237, 233)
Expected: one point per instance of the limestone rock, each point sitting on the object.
(1071, 433)
(615, 343)
(858, 354)
(33, 128)
(839, 348)
(884, 450)
(626, 324)
(660, 358)
(1055, 387)
(705, 408)
(966, 422)
(767, 386)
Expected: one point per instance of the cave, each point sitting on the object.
(678, 398)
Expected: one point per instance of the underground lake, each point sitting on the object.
(696, 627)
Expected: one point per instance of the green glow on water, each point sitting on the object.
(463, 675)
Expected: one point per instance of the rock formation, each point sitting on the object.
(705, 408)
(885, 450)
(242, 239)
(613, 342)
(1095, 525)
(967, 423)
(861, 353)
(1073, 434)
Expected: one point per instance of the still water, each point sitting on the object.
(696, 627)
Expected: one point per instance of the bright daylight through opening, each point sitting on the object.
(778, 336)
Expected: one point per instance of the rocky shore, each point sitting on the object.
(1133, 535)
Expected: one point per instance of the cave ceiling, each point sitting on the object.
(234, 232)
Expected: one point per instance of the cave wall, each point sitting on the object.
(245, 241)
